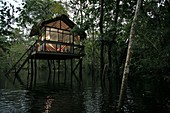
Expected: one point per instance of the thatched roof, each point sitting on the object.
(62, 22)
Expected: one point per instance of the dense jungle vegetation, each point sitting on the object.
(151, 48)
(107, 24)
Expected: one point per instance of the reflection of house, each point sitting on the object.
(56, 39)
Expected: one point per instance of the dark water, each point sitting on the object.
(64, 100)
(90, 98)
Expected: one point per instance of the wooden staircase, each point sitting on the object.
(39, 50)
(16, 68)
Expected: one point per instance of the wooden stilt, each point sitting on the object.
(32, 73)
(35, 68)
(28, 76)
(49, 68)
(80, 70)
(15, 76)
(71, 72)
(65, 71)
(58, 71)
(54, 72)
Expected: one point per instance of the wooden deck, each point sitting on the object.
(54, 55)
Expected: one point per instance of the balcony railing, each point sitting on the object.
(58, 47)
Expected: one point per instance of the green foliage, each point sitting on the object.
(151, 47)
(90, 51)
(4, 61)
(16, 51)
(151, 53)
(6, 21)
(6, 17)
(39, 10)
(3, 44)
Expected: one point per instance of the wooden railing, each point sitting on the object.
(59, 47)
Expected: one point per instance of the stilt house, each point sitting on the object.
(57, 40)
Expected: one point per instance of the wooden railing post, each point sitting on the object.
(44, 45)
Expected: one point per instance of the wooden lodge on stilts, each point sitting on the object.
(57, 41)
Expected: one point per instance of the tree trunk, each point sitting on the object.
(92, 58)
(81, 13)
(128, 57)
(102, 42)
(113, 43)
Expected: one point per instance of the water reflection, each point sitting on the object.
(48, 104)
(88, 99)
(67, 101)
(14, 101)
(92, 100)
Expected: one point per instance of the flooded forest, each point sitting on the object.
(85, 56)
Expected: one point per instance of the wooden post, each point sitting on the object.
(32, 73)
(58, 71)
(28, 76)
(45, 39)
(15, 76)
(49, 69)
(128, 57)
(73, 44)
(35, 68)
(80, 70)
(65, 73)
(54, 72)
(71, 72)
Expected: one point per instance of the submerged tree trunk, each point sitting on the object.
(92, 58)
(102, 41)
(128, 57)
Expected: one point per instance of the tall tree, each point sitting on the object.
(113, 42)
(154, 33)
(39, 10)
(85, 14)
(102, 41)
(129, 55)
